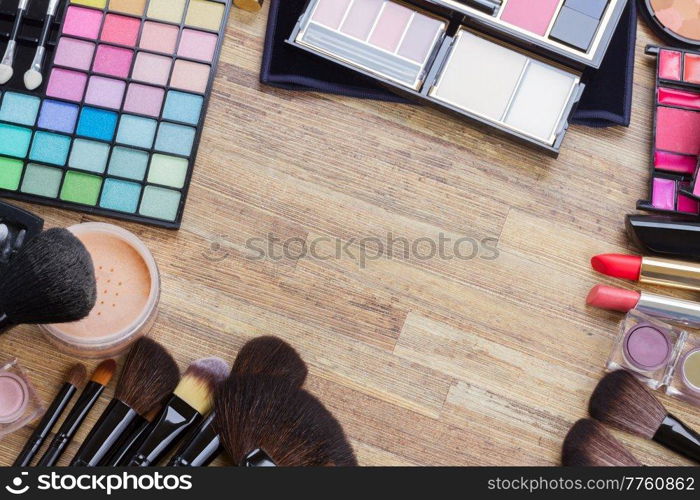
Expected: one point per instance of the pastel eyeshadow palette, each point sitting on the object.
(573, 30)
(115, 127)
(430, 56)
(676, 133)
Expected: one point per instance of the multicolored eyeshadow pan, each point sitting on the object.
(115, 129)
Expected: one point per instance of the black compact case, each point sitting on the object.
(28, 37)
(17, 227)
(464, 19)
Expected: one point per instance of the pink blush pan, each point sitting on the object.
(13, 397)
(678, 131)
(530, 15)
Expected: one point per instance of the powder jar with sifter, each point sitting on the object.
(128, 292)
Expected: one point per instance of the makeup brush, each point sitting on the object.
(51, 280)
(589, 444)
(33, 77)
(8, 60)
(193, 398)
(621, 401)
(101, 377)
(149, 375)
(291, 427)
(260, 356)
(74, 379)
(131, 445)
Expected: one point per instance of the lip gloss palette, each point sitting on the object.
(432, 53)
(115, 127)
(676, 139)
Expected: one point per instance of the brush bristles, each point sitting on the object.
(149, 375)
(289, 424)
(104, 372)
(621, 401)
(52, 280)
(270, 356)
(199, 382)
(76, 375)
(589, 444)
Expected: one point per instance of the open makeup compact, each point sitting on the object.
(515, 65)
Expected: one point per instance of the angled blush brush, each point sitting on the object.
(75, 378)
(149, 375)
(193, 398)
(260, 356)
(51, 280)
(91, 394)
(589, 444)
(621, 401)
(291, 427)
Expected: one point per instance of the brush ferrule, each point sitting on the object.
(172, 423)
(5, 323)
(38, 61)
(258, 458)
(115, 424)
(677, 436)
(8, 58)
(201, 448)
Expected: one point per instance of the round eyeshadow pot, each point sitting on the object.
(691, 370)
(647, 348)
(676, 21)
(128, 292)
(13, 397)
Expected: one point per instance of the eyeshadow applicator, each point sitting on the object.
(33, 76)
(193, 398)
(652, 270)
(149, 375)
(75, 378)
(621, 401)
(93, 390)
(8, 60)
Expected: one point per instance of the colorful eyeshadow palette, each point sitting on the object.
(114, 130)
(569, 30)
(432, 58)
(676, 139)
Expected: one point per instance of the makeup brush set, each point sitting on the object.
(258, 413)
(622, 402)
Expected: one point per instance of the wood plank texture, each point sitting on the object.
(431, 361)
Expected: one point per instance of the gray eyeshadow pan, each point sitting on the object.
(591, 8)
(574, 28)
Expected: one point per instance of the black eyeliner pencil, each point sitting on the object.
(76, 377)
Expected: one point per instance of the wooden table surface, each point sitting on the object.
(426, 361)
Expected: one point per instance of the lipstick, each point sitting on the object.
(617, 299)
(652, 270)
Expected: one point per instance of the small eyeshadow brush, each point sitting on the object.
(260, 356)
(101, 377)
(74, 379)
(33, 77)
(290, 426)
(589, 444)
(51, 280)
(621, 401)
(8, 60)
(148, 376)
(193, 398)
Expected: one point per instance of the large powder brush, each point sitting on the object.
(290, 426)
(589, 444)
(52, 280)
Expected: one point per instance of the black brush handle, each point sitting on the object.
(74, 420)
(171, 425)
(201, 447)
(129, 447)
(677, 436)
(45, 425)
(5, 323)
(117, 421)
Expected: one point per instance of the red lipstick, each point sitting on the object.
(618, 299)
(653, 270)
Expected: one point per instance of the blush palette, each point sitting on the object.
(114, 129)
(429, 54)
(676, 139)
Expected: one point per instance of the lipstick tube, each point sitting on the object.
(671, 273)
(682, 311)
